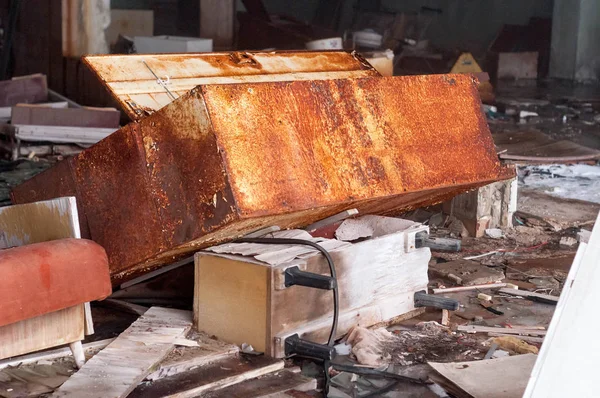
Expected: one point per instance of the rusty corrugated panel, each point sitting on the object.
(132, 79)
(227, 159)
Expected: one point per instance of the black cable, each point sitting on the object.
(286, 241)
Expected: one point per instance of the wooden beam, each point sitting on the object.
(217, 22)
(119, 368)
(512, 331)
(468, 288)
(542, 298)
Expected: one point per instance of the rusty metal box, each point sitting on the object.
(240, 152)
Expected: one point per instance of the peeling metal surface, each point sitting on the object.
(135, 87)
(224, 160)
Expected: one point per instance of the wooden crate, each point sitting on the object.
(241, 299)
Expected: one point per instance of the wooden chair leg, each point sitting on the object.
(78, 354)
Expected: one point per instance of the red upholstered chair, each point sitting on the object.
(44, 287)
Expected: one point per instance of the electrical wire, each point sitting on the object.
(336, 305)
(287, 241)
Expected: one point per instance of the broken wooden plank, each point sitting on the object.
(212, 377)
(52, 354)
(468, 288)
(183, 359)
(491, 378)
(511, 331)
(120, 367)
(266, 386)
(542, 298)
(66, 134)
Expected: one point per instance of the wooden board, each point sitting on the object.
(183, 359)
(137, 91)
(266, 386)
(120, 367)
(228, 290)
(568, 359)
(72, 117)
(530, 295)
(491, 378)
(39, 222)
(218, 375)
(512, 330)
(48, 330)
(65, 134)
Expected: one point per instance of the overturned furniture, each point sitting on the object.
(47, 278)
(280, 292)
(225, 144)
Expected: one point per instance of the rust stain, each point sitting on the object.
(349, 139)
(226, 159)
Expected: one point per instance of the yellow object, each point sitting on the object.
(483, 296)
(515, 344)
(511, 286)
(466, 64)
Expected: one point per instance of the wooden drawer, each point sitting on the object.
(240, 299)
